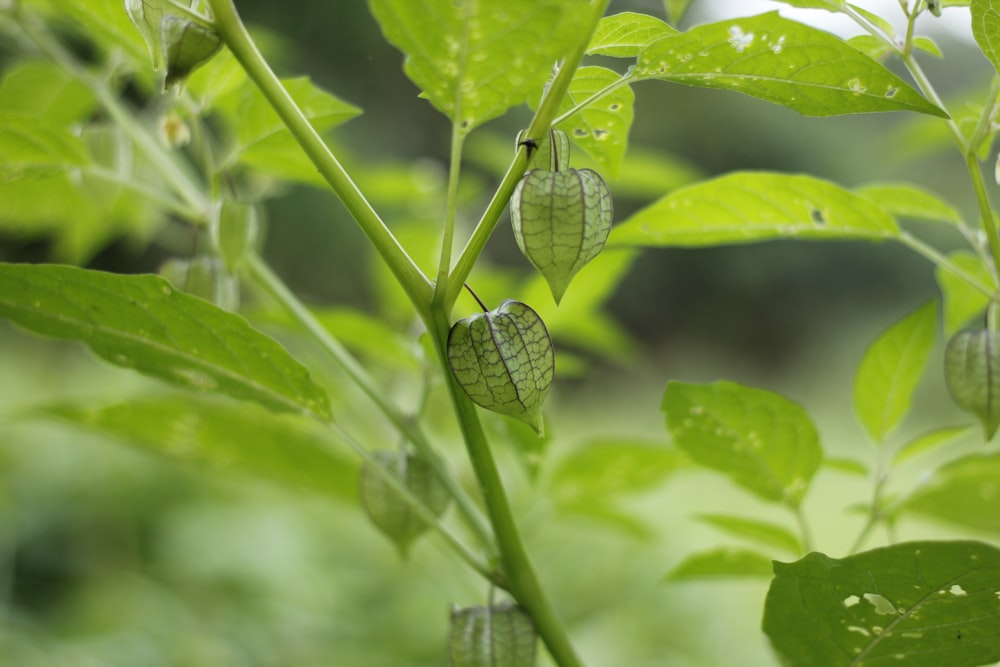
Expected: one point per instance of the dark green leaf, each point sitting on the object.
(962, 301)
(763, 532)
(601, 128)
(624, 35)
(964, 492)
(919, 604)
(745, 207)
(890, 370)
(142, 322)
(285, 449)
(784, 62)
(723, 562)
(763, 441)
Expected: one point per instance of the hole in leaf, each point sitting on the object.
(580, 132)
(817, 216)
(615, 107)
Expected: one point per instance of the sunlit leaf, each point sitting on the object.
(781, 61)
(745, 207)
(870, 45)
(962, 301)
(601, 128)
(142, 322)
(909, 201)
(928, 441)
(965, 492)
(284, 449)
(923, 604)
(986, 28)
(764, 442)
(890, 370)
(474, 59)
(763, 532)
(624, 35)
(723, 562)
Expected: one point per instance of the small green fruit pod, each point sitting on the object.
(561, 221)
(235, 231)
(500, 635)
(504, 361)
(972, 375)
(176, 39)
(392, 513)
(551, 152)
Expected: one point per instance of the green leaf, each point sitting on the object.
(919, 604)
(928, 441)
(257, 125)
(986, 28)
(846, 466)
(676, 9)
(722, 562)
(45, 91)
(591, 475)
(903, 200)
(624, 35)
(29, 144)
(891, 369)
(503, 360)
(928, 45)
(766, 443)
(870, 45)
(875, 20)
(474, 59)
(962, 301)
(963, 492)
(762, 532)
(142, 322)
(784, 62)
(828, 5)
(288, 450)
(601, 128)
(746, 207)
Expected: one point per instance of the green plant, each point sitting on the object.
(213, 127)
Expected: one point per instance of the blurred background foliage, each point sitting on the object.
(112, 555)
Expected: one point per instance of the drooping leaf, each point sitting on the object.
(142, 322)
(923, 604)
(474, 59)
(909, 201)
(761, 440)
(745, 207)
(928, 441)
(986, 28)
(890, 370)
(287, 450)
(962, 301)
(599, 471)
(601, 128)
(963, 492)
(781, 61)
(722, 562)
(624, 35)
(766, 533)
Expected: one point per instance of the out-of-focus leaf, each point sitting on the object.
(29, 144)
(765, 533)
(745, 207)
(474, 60)
(624, 35)
(923, 604)
(928, 441)
(600, 470)
(141, 322)
(890, 370)
(601, 128)
(909, 201)
(847, 466)
(45, 91)
(285, 449)
(962, 301)
(761, 440)
(781, 61)
(965, 492)
(723, 562)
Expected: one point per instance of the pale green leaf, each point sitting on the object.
(875, 20)
(910, 201)
(962, 301)
(288, 450)
(764, 442)
(763, 532)
(928, 45)
(965, 492)
(676, 9)
(870, 45)
(828, 5)
(45, 90)
(986, 28)
(601, 128)
(29, 144)
(722, 562)
(596, 472)
(474, 59)
(106, 25)
(890, 370)
(624, 35)
(919, 604)
(972, 375)
(745, 207)
(928, 441)
(846, 466)
(141, 322)
(784, 62)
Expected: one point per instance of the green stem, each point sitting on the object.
(937, 258)
(268, 282)
(624, 81)
(540, 124)
(407, 273)
(521, 580)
